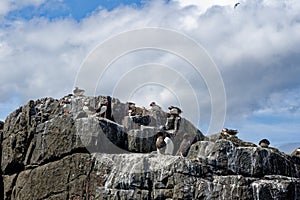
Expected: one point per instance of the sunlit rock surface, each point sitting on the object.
(47, 153)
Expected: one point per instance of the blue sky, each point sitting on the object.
(75, 9)
(256, 48)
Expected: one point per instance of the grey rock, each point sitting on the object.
(53, 180)
(119, 110)
(226, 158)
(48, 154)
(10, 182)
(129, 124)
(142, 140)
(53, 140)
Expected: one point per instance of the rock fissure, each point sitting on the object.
(56, 158)
(53, 194)
(68, 186)
(9, 193)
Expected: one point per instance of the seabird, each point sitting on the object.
(152, 103)
(224, 132)
(78, 92)
(66, 106)
(160, 143)
(235, 5)
(228, 133)
(169, 145)
(88, 109)
(109, 112)
(131, 105)
(154, 107)
(185, 145)
(296, 152)
(232, 132)
(131, 109)
(175, 110)
(264, 143)
(103, 109)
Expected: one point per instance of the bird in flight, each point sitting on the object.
(235, 5)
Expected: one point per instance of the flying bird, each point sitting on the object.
(235, 5)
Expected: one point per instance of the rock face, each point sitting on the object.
(48, 154)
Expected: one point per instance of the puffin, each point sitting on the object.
(264, 143)
(169, 145)
(160, 143)
(103, 109)
(175, 110)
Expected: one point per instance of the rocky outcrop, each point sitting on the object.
(51, 154)
(225, 158)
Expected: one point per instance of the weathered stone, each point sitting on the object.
(142, 140)
(158, 118)
(10, 182)
(276, 187)
(57, 180)
(226, 158)
(234, 139)
(53, 140)
(159, 194)
(123, 194)
(48, 154)
(129, 124)
(115, 133)
(119, 110)
(101, 135)
(19, 131)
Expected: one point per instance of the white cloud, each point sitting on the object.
(4, 7)
(283, 103)
(204, 5)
